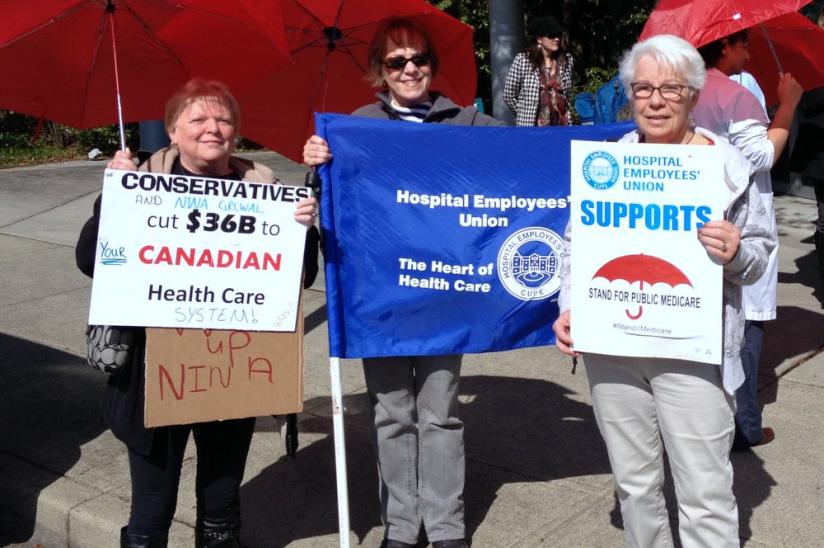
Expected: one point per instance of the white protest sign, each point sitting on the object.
(642, 283)
(191, 252)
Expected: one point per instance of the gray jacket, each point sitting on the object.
(746, 211)
(443, 111)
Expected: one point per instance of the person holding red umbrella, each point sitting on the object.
(202, 120)
(733, 112)
(416, 429)
(648, 407)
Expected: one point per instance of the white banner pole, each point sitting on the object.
(340, 452)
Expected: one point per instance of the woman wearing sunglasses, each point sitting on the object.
(416, 430)
(540, 79)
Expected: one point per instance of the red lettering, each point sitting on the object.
(164, 256)
(269, 261)
(265, 371)
(196, 370)
(220, 377)
(233, 346)
(224, 258)
(251, 261)
(163, 372)
(182, 256)
(208, 333)
(206, 259)
(142, 254)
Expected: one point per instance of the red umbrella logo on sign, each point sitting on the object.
(642, 268)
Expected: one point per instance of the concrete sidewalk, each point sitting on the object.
(537, 468)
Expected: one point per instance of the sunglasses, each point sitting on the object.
(399, 62)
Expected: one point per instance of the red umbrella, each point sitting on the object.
(58, 57)
(799, 45)
(328, 40)
(642, 268)
(702, 21)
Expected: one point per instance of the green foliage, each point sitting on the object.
(599, 31)
(28, 155)
(594, 78)
(107, 139)
(19, 146)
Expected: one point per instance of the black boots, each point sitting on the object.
(218, 532)
(129, 540)
(209, 533)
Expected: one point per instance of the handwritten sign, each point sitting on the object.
(204, 375)
(642, 283)
(177, 251)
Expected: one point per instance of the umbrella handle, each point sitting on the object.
(110, 7)
(772, 48)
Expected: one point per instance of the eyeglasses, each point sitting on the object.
(399, 62)
(670, 92)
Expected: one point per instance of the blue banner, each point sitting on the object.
(444, 239)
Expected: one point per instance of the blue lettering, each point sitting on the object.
(620, 213)
(636, 211)
(670, 217)
(653, 217)
(703, 213)
(586, 209)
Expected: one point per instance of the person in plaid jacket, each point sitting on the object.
(539, 81)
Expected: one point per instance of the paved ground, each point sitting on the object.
(537, 469)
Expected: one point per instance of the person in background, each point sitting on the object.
(748, 81)
(733, 112)
(202, 120)
(417, 432)
(641, 402)
(539, 82)
(807, 158)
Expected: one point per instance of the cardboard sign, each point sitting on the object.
(642, 283)
(195, 375)
(190, 252)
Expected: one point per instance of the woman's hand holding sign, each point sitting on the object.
(720, 239)
(307, 211)
(562, 338)
(122, 160)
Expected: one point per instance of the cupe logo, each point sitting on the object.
(600, 170)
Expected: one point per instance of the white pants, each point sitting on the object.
(637, 403)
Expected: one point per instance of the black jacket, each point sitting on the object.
(124, 397)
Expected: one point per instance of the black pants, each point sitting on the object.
(818, 187)
(222, 448)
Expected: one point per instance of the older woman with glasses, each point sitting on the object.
(416, 430)
(646, 406)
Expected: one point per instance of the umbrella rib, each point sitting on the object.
(51, 21)
(309, 12)
(95, 50)
(355, 60)
(324, 81)
(225, 17)
(150, 33)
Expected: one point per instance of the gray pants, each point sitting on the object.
(645, 406)
(418, 440)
